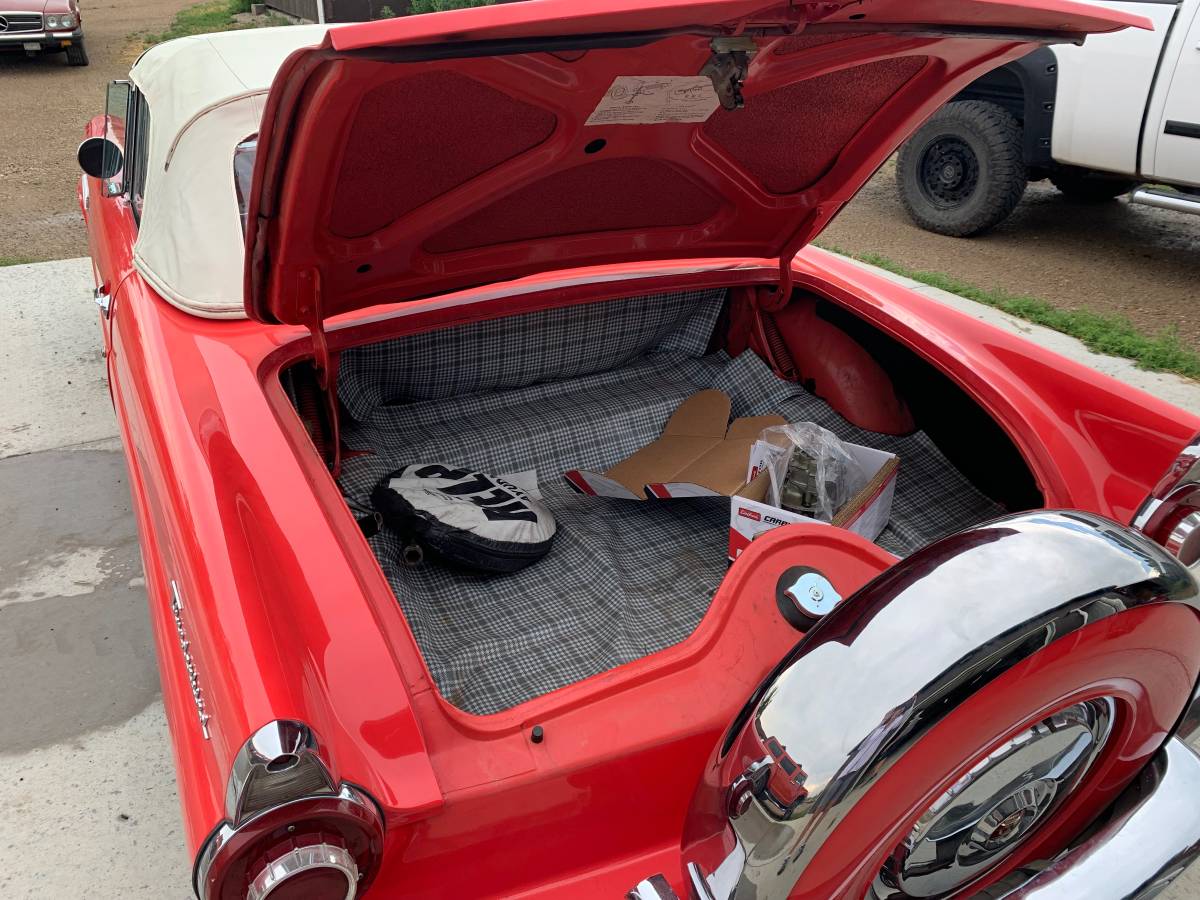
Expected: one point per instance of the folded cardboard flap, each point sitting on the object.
(699, 454)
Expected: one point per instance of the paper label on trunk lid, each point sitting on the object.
(653, 99)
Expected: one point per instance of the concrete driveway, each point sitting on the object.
(87, 781)
(86, 776)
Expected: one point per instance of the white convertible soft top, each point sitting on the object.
(206, 95)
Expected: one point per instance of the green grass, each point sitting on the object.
(210, 16)
(1108, 334)
(16, 260)
(429, 6)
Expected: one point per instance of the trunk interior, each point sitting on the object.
(581, 387)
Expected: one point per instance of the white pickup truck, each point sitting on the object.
(1098, 120)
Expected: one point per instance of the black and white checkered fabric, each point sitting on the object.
(582, 387)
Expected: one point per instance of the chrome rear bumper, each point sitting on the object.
(1151, 836)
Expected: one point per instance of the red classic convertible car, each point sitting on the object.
(491, 247)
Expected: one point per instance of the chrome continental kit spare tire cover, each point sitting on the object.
(969, 711)
(466, 518)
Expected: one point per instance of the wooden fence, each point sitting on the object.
(339, 10)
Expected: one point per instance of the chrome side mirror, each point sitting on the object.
(100, 158)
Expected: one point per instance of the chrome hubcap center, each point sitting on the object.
(997, 805)
(1009, 827)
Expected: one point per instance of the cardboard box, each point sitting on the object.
(700, 454)
(755, 510)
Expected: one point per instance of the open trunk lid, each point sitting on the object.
(411, 157)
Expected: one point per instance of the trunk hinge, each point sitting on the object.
(325, 364)
(775, 298)
(727, 67)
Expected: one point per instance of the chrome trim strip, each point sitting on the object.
(1152, 836)
(40, 36)
(185, 645)
(1000, 592)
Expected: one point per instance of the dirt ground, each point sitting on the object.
(44, 105)
(1143, 263)
(1111, 257)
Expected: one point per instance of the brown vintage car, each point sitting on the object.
(43, 26)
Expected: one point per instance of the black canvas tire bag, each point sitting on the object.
(465, 518)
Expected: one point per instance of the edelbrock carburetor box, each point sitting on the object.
(755, 509)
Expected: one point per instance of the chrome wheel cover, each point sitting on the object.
(996, 806)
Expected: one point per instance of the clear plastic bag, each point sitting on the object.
(810, 469)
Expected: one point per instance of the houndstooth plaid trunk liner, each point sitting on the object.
(582, 387)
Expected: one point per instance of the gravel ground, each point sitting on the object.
(1111, 257)
(44, 105)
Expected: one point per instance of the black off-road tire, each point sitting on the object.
(1089, 187)
(964, 171)
(77, 54)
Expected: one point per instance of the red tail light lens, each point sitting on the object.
(310, 868)
(316, 848)
(1171, 514)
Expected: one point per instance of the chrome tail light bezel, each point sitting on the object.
(279, 762)
(281, 793)
(1170, 515)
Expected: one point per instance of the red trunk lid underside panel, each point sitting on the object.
(413, 157)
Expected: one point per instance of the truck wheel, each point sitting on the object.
(77, 54)
(1089, 187)
(964, 170)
